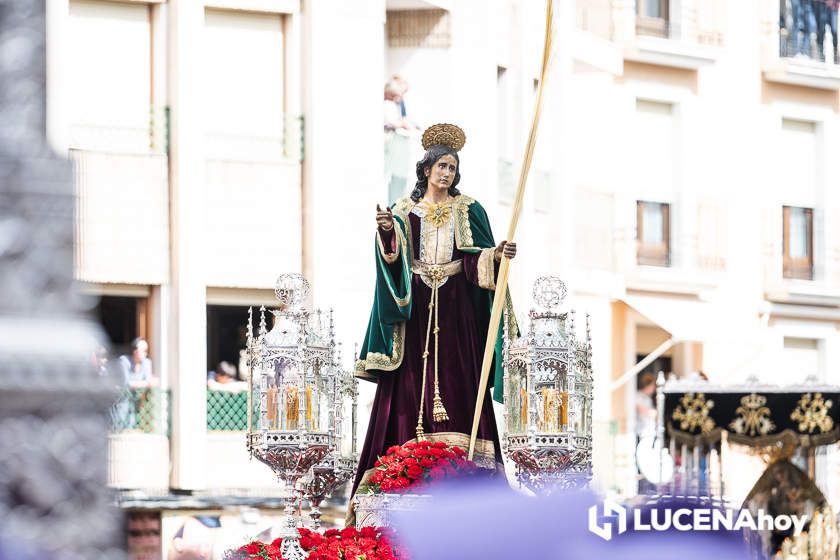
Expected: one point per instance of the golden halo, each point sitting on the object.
(445, 134)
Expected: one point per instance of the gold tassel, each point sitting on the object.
(439, 412)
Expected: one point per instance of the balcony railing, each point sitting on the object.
(146, 410)
(142, 410)
(227, 411)
(284, 144)
(667, 29)
(151, 136)
(806, 31)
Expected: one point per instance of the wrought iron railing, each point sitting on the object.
(141, 410)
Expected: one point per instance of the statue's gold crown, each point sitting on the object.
(444, 134)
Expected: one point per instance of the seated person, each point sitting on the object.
(225, 379)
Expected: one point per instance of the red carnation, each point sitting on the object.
(273, 551)
(378, 477)
(458, 451)
(437, 473)
(426, 463)
(414, 472)
(402, 453)
(410, 445)
(392, 449)
(331, 533)
(436, 451)
(348, 533)
(369, 532)
(410, 461)
(440, 444)
(252, 548)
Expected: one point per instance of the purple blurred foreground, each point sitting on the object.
(488, 520)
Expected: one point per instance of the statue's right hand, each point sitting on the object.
(384, 218)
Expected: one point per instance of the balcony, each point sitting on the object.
(795, 53)
(138, 442)
(122, 217)
(668, 33)
(253, 205)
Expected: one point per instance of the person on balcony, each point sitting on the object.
(225, 379)
(827, 17)
(803, 25)
(436, 266)
(137, 376)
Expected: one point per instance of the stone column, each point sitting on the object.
(54, 502)
(187, 356)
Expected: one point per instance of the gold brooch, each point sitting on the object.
(438, 214)
(445, 135)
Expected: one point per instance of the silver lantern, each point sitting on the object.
(339, 465)
(291, 395)
(548, 395)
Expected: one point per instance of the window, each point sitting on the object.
(244, 93)
(108, 88)
(653, 233)
(652, 17)
(798, 242)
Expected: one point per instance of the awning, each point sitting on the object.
(686, 320)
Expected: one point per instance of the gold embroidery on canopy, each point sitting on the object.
(753, 417)
(812, 413)
(693, 413)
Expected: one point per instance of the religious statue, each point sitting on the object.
(436, 267)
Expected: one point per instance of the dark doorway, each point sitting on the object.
(123, 319)
(226, 328)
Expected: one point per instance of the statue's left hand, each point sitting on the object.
(506, 249)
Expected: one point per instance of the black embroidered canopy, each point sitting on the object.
(755, 416)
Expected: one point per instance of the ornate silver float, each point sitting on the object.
(291, 397)
(548, 395)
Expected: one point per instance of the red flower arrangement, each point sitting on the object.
(418, 465)
(257, 549)
(367, 543)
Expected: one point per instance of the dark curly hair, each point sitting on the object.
(432, 155)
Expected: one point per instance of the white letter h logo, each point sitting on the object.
(611, 509)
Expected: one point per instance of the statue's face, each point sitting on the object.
(442, 173)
